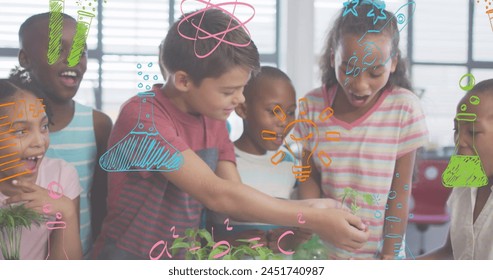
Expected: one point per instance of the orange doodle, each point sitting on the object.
(302, 171)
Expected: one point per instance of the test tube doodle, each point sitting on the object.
(55, 27)
(143, 148)
(84, 20)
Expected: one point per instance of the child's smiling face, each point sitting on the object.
(25, 137)
(478, 134)
(258, 113)
(218, 97)
(59, 81)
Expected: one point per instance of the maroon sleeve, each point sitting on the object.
(226, 148)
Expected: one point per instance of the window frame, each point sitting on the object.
(97, 53)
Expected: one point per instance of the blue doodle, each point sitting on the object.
(393, 219)
(350, 6)
(372, 51)
(378, 214)
(143, 148)
(392, 195)
(380, 6)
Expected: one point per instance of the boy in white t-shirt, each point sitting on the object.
(255, 156)
(471, 223)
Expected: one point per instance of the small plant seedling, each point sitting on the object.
(353, 195)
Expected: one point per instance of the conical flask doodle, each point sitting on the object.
(143, 148)
(462, 170)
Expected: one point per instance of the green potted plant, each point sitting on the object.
(199, 245)
(12, 220)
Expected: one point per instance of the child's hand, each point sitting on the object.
(342, 229)
(12, 190)
(39, 199)
(290, 241)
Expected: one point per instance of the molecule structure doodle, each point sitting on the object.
(203, 34)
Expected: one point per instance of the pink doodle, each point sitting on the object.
(228, 228)
(256, 245)
(279, 241)
(300, 218)
(222, 242)
(47, 208)
(173, 230)
(220, 35)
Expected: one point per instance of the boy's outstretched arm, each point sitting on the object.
(245, 203)
(99, 188)
(443, 253)
(227, 170)
(311, 187)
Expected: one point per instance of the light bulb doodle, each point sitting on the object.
(465, 170)
(143, 148)
(489, 11)
(373, 54)
(84, 20)
(203, 34)
(302, 171)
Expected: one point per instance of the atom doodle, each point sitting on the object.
(220, 35)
